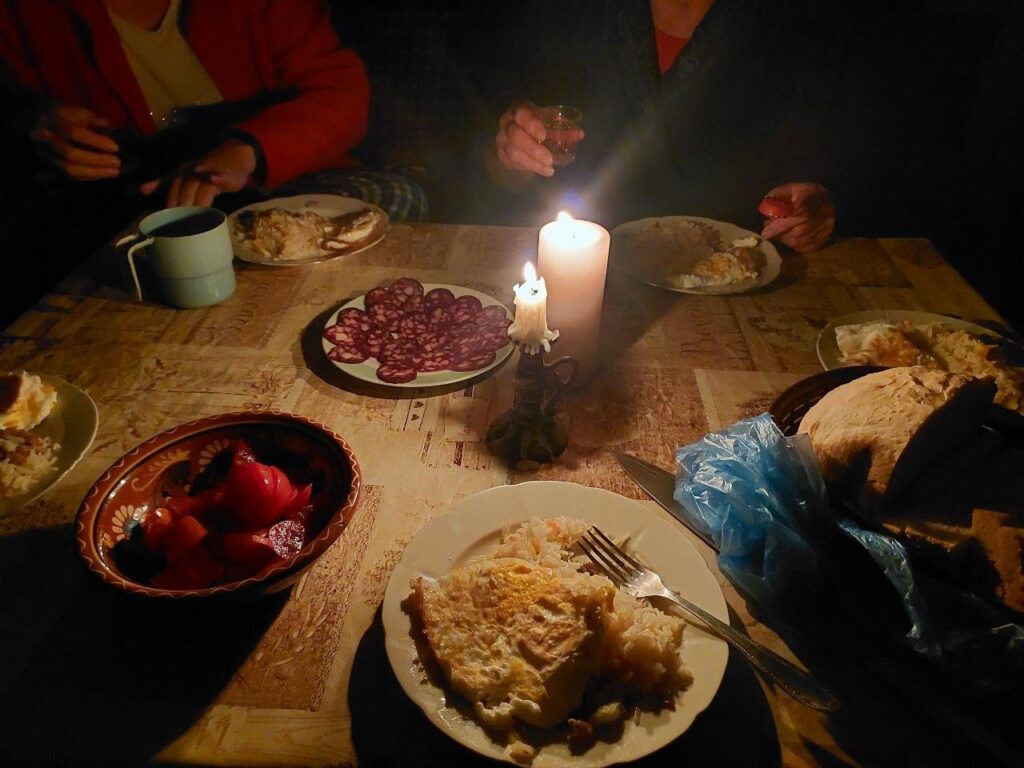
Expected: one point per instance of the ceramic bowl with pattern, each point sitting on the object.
(168, 464)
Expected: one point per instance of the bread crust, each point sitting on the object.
(873, 436)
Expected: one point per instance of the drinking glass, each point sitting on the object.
(562, 132)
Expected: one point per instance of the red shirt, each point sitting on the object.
(668, 48)
(69, 51)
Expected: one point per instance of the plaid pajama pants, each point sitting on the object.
(401, 197)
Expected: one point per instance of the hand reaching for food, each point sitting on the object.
(227, 169)
(73, 141)
(801, 215)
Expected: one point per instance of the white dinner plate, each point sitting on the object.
(328, 206)
(653, 250)
(72, 423)
(367, 371)
(828, 350)
(474, 526)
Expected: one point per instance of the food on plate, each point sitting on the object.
(719, 269)
(25, 400)
(744, 242)
(529, 636)
(25, 458)
(934, 345)
(409, 331)
(775, 207)
(235, 521)
(889, 344)
(873, 436)
(275, 234)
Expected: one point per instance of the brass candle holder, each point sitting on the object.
(534, 432)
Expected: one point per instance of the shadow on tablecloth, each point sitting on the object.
(93, 676)
(388, 730)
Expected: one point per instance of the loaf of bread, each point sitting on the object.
(873, 436)
(985, 557)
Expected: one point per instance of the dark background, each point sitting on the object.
(932, 94)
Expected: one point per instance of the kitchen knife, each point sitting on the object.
(659, 484)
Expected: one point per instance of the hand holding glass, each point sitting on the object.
(562, 132)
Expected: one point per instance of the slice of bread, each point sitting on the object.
(874, 436)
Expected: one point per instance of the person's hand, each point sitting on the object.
(518, 142)
(71, 139)
(226, 169)
(808, 224)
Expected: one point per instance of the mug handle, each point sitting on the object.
(131, 258)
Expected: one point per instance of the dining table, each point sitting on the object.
(91, 675)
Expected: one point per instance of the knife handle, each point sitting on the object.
(789, 677)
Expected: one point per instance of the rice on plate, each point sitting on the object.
(25, 459)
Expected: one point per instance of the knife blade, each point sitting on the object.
(659, 484)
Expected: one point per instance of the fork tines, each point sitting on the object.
(604, 553)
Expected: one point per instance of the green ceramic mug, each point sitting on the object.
(188, 252)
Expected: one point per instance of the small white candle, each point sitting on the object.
(530, 328)
(573, 257)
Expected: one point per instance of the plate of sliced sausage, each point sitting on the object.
(411, 334)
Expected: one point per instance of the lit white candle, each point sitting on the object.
(573, 257)
(530, 328)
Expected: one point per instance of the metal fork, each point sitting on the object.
(640, 581)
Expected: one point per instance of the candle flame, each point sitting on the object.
(563, 216)
(530, 273)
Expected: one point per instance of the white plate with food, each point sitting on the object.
(894, 337)
(411, 334)
(690, 254)
(305, 229)
(63, 422)
(475, 526)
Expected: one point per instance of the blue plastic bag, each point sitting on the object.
(761, 498)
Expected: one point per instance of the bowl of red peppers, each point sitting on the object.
(239, 502)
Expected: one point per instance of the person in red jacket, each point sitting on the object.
(106, 75)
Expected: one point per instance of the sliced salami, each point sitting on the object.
(399, 350)
(439, 297)
(474, 361)
(465, 308)
(494, 339)
(386, 315)
(404, 288)
(432, 341)
(348, 353)
(494, 313)
(413, 325)
(376, 296)
(339, 334)
(375, 341)
(495, 327)
(396, 373)
(355, 318)
(414, 304)
(436, 360)
(468, 346)
(440, 318)
(465, 330)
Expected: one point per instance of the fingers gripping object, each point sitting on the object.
(775, 207)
